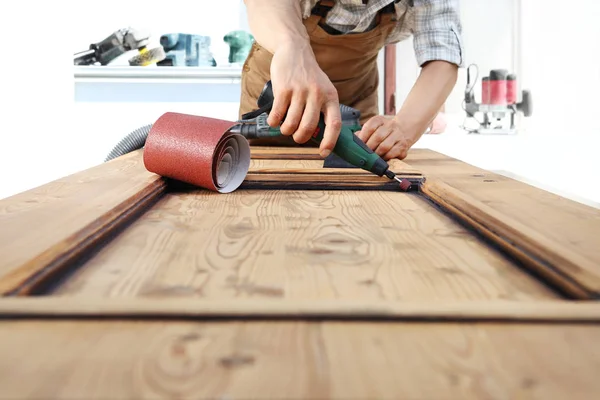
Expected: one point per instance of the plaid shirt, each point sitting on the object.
(434, 24)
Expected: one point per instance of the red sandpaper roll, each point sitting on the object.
(197, 150)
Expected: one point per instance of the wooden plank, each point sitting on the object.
(297, 360)
(558, 264)
(300, 244)
(326, 181)
(44, 230)
(312, 167)
(284, 153)
(309, 174)
(545, 311)
(555, 236)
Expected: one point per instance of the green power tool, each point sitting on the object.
(348, 147)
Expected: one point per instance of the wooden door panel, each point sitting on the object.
(307, 282)
(300, 244)
(334, 244)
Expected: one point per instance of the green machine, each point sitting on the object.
(239, 42)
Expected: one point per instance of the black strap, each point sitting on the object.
(321, 9)
(389, 9)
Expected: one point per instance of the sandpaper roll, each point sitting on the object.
(197, 150)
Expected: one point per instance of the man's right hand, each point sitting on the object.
(301, 91)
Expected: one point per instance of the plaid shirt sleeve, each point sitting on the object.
(437, 31)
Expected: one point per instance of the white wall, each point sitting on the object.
(44, 135)
(561, 65)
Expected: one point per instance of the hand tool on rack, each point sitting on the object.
(498, 100)
(117, 44)
(348, 147)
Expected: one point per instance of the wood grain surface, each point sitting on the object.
(311, 167)
(297, 360)
(547, 311)
(300, 244)
(552, 260)
(284, 153)
(299, 173)
(559, 234)
(44, 229)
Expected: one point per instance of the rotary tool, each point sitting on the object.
(348, 147)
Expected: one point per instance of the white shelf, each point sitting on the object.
(125, 84)
(125, 74)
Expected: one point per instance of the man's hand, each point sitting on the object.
(393, 137)
(302, 91)
(386, 137)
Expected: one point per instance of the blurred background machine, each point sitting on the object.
(239, 43)
(499, 102)
(118, 43)
(172, 49)
(186, 50)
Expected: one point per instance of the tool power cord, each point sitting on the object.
(134, 141)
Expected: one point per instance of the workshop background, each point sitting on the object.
(60, 119)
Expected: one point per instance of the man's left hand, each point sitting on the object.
(386, 137)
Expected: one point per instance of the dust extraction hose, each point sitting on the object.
(134, 141)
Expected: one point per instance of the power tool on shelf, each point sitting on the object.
(240, 43)
(498, 102)
(117, 44)
(186, 50)
(348, 147)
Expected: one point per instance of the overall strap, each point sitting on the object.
(318, 14)
(322, 8)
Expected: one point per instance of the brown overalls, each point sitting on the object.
(350, 62)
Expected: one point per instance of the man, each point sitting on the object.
(319, 54)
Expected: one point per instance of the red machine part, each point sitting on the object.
(485, 90)
(498, 87)
(511, 89)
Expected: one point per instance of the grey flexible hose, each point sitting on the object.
(135, 140)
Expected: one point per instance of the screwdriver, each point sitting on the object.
(348, 147)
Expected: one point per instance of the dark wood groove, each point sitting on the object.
(544, 311)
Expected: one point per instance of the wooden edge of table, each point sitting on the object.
(550, 311)
(558, 264)
(52, 262)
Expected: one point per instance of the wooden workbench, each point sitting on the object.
(305, 283)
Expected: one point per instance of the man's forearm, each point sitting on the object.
(274, 23)
(434, 84)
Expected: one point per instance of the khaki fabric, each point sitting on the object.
(350, 62)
